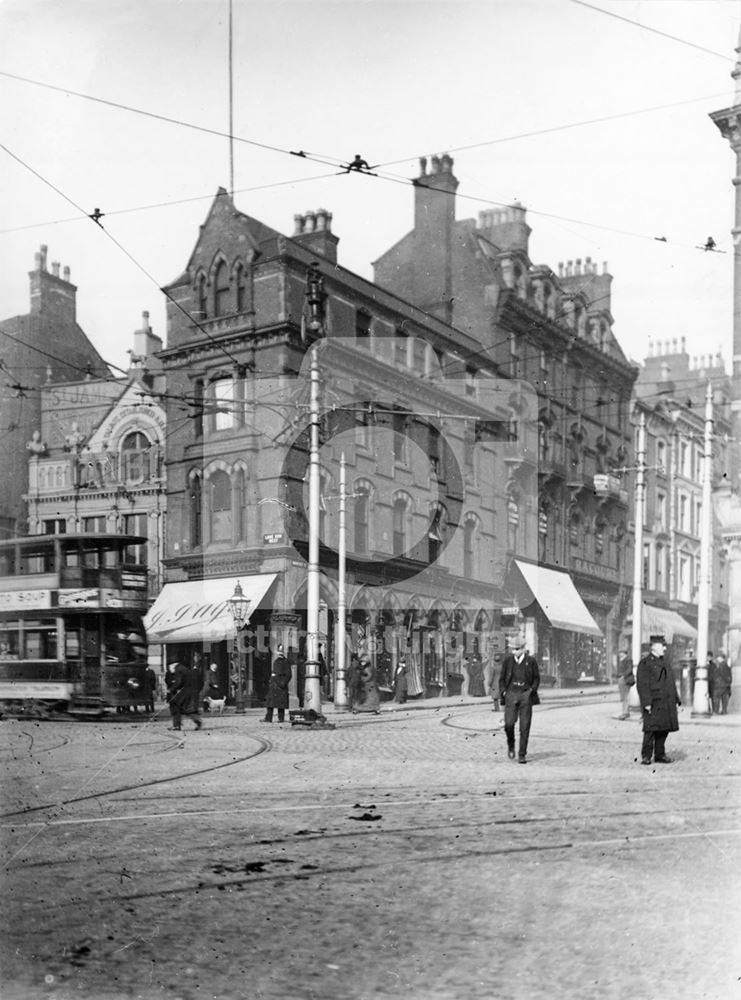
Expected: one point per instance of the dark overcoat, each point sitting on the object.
(280, 678)
(186, 688)
(657, 689)
(532, 673)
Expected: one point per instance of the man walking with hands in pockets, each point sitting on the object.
(518, 692)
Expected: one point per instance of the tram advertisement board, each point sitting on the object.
(15, 600)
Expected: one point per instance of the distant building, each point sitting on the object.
(728, 497)
(96, 458)
(670, 393)
(43, 346)
(554, 331)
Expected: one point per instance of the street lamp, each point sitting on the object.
(239, 606)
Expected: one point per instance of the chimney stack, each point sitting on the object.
(313, 230)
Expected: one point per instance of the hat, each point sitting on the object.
(657, 638)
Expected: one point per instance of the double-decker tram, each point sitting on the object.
(71, 634)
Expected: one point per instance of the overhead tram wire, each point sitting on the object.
(124, 251)
(327, 160)
(561, 128)
(169, 204)
(654, 31)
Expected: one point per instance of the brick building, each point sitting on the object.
(440, 461)
(554, 331)
(42, 346)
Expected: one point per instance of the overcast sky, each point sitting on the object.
(393, 80)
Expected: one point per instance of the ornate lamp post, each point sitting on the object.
(239, 606)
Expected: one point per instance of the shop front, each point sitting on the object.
(194, 622)
(559, 628)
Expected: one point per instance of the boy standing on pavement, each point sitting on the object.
(518, 692)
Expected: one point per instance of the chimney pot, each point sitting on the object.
(423, 166)
(66, 273)
(44, 251)
(55, 268)
(298, 221)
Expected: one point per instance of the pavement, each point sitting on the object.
(397, 855)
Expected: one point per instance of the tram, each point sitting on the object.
(71, 632)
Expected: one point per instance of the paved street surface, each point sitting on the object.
(398, 855)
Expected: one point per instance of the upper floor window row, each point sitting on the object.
(223, 292)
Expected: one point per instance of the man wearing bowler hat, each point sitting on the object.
(657, 692)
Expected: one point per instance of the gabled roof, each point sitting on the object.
(224, 218)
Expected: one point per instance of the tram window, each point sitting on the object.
(72, 645)
(9, 643)
(111, 558)
(40, 640)
(91, 558)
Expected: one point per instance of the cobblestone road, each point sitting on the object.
(399, 855)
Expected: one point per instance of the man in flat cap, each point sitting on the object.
(657, 692)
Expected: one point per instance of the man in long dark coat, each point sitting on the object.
(185, 694)
(657, 692)
(280, 678)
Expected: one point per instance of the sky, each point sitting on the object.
(595, 120)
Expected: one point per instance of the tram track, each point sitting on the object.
(264, 745)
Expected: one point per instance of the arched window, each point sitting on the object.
(221, 289)
(470, 532)
(201, 295)
(436, 532)
(195, 512)
(360, 518)
(220, 494)
(239, 283)
(661, 455)
(135, 457)
(240, 498)
(400, 525)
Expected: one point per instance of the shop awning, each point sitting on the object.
(558, 598)
(197, 611)
(664, 621)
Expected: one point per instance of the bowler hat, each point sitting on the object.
(658, 638)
